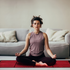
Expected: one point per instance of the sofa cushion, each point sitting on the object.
(56, 35)
(1, 37)
(9, 36)
(59, 35)
(11, 48)
(20, 32)
(61, 49)
(50, 32)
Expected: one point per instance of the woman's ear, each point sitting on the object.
(32, 25)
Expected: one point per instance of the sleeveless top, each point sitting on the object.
(36, 43)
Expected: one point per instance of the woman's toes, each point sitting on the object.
(41, 64)
(45, 64)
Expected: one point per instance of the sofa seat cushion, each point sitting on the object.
(61, 49)
(57, 44)
(11, 48)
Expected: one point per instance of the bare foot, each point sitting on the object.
(41, 64)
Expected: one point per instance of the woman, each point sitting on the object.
(36, 40)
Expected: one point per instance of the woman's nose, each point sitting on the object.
(36, 25)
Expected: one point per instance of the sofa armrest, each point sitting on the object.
(67, 38)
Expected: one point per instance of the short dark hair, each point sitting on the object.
(36, 18)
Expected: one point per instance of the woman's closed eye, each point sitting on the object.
(36, 23)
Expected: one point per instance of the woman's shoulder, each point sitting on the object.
(29, 34)
(44, 34)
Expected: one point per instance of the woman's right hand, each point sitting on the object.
(17, 54)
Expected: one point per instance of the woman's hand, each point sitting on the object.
(17, 54)
(54, 56)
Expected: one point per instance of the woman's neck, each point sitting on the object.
(36, 31)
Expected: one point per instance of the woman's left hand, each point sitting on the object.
(54, 56)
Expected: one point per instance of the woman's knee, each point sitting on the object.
(52, 62)
(18, 58)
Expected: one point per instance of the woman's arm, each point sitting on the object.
(47, 46)
(26, 46)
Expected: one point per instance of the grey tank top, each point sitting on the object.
(36, 43)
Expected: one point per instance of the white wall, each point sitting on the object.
(18, 13)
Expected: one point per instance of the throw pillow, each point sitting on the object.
(1, 37)
(59, 35)
(9, 36)
(50, 33)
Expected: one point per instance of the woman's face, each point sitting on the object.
(36, 24)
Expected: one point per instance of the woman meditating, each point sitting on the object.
(36, 41)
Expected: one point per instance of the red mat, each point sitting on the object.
(15, 64)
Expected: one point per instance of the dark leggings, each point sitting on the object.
(27, 60)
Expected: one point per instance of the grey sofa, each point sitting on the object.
(61, 49)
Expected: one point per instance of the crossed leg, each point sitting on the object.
(43, 61)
